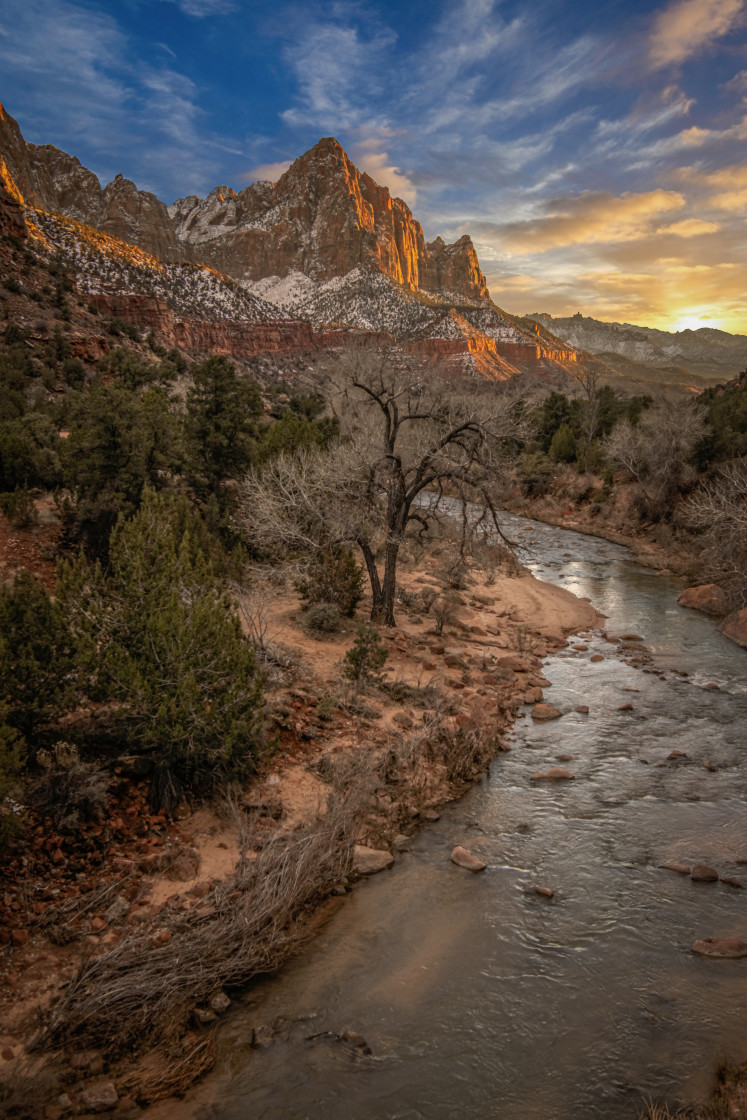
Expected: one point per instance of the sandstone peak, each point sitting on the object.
(323, 218)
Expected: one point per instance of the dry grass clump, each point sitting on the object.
(143, 992)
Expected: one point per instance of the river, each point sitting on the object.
(483, 1000)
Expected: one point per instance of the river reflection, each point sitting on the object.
(481, 999)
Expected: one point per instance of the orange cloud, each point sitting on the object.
(592, 216)
(687, 26)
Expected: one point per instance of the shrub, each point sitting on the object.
(36, 654)
(365, 660)
(323, 618)
(18, 506)
(563, 445)
(12, 755)
(163, 640)
(69, 791)
(333, 577)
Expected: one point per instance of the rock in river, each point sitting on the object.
(545, 711)
(722, 948)
(555, 773)
(367, 861)
(462, 858)
(701, 873)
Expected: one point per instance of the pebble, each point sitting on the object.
(546, 892)
(582, 709)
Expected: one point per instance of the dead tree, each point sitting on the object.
(409, 440)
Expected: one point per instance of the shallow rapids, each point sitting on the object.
(479, 998)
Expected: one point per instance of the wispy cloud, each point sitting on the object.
(202, 8)
(687, 27)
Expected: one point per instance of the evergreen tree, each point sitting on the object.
(220, 426)
(164, 642)
(36, 654)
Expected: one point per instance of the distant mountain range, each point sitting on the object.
(325, 245)
(709, 354)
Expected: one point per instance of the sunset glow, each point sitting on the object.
(694, 322)
(594, 153)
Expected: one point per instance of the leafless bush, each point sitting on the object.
(68, 789)
(465, 752)
(138, 994)
(719, 509)
(443, 611)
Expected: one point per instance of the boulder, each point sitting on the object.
(721, 948)
(99, 1097)
(678, 868)
(582, 709)
(546, 892)
(708, 598)
(367, 861)
(512, 661)
(554, 774)
(463, 858)
(734, 627)
(702, 873)
(545, 712)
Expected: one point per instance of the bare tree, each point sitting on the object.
(719, 506)
(589, 379)
(656, 451)
(410, 443)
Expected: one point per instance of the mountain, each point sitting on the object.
(325, 245)
(322, 218)
(709, 354)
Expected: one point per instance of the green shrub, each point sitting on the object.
(365, 660)
(18, 506)
(323, 618)
(12, 756)
(36, 655)
(333, 576)
(162, 639)
(563, 445)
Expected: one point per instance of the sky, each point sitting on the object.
(593, 150)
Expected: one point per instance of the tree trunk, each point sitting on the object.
(382, 610)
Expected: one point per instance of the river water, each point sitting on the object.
(482, 1000)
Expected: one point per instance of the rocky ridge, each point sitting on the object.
(704, 352)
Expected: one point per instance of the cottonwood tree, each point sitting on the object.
(410, 443)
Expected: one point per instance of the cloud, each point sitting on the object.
(81, 77)
(592, 216)
(369, 153)
(690, 227)
(338, 69)
(689, 26)
(267, 172)
(202, 8)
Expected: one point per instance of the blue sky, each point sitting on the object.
(594, 151)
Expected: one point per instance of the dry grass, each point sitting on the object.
(140, 994)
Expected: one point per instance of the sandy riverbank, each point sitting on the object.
(468, 678)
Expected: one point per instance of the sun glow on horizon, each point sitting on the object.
(693, 322)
